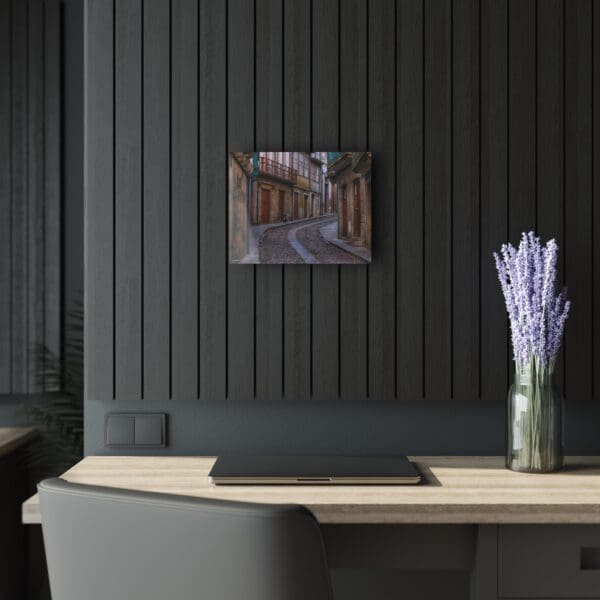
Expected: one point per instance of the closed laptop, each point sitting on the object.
(306, 470)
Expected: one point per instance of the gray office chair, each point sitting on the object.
(110, 544)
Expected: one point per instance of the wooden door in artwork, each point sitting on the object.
(265, 205)
(280, 206)
(356, 208)
(344, 200)
(295, 206)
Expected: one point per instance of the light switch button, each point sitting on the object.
(119, 430)
(150, 430)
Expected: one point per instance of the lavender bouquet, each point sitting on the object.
(537, 316)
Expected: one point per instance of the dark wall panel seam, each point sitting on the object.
(11, 171)
(535, 129)
(142, 203)
(564, 153)
(199, 211)
(395, 198)
(339, 144)
(310, 333)
(283, 146)
(282, 267)
(26, 198)
(226, 176)
(62, 178)
(591, 223)
(451, 194)
(114, 197)
(508, 346)
(254, 328)
(479, 187)
(367, 369)
(43, 179)
(311, 149)
(424, 175)
(170, 200)
(254, 150)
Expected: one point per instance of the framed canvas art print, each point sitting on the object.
(300, 207)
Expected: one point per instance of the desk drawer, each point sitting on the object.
(549, 561)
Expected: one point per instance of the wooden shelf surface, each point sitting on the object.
(457, 489)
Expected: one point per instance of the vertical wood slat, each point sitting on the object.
(128, 199)
(98, 181)
(382, 114)
(521, 117)
(595, 196)
(409, 177)
(325, 136)
(240, 130)
(5, 197)
(184, 200)
(35, 190)
(52, 177)
(213, 199)
(465, 200)
(550, 133)
(438, 200)
(19, 180)
(296, 135)
(269, 136)
(578, 198)
(156, 199)
(353, 137)
(494, 164)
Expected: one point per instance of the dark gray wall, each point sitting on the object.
(30, 188)
(480, 117)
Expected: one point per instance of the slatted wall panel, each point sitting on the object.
(483, 122)
(30, 188)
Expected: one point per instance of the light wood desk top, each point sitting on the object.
(457, 490)
(12, 438)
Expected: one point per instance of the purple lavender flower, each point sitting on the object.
(537, 314)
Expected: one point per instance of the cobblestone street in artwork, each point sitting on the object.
(303, 243)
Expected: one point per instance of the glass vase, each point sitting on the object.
(535, 419)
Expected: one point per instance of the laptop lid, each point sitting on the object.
(305, 470)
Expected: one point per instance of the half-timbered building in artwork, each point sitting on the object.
(287, 186)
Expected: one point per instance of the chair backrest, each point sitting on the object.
(112, 544)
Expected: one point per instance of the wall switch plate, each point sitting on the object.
(135, 430)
